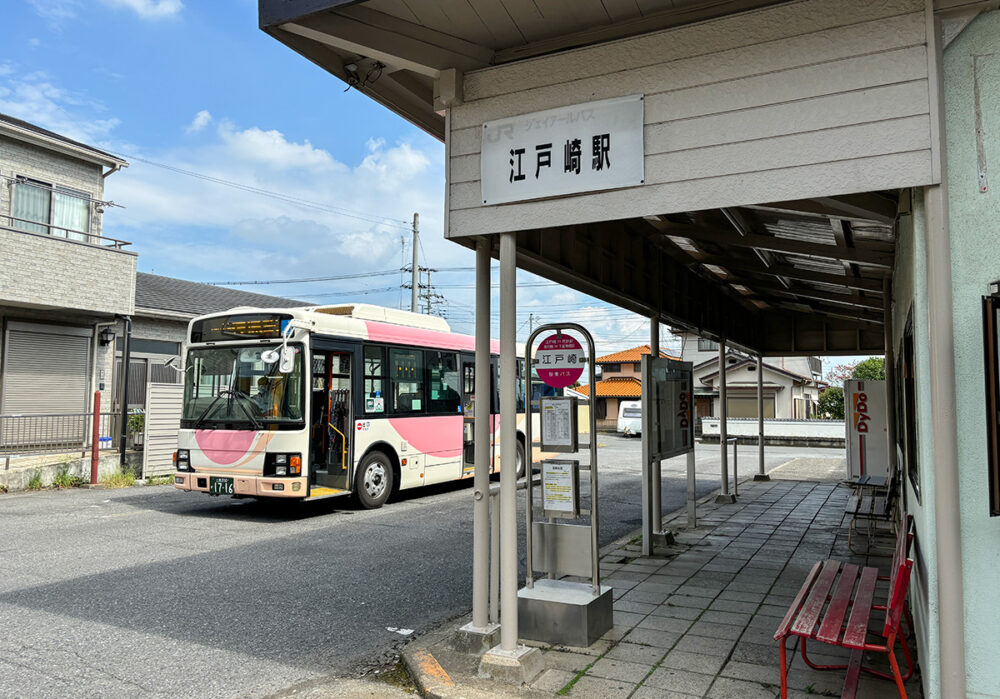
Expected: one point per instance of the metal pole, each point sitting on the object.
(761, 473)
(508, 441)
(647, 479)
(736, 466)
(594, 519)
(692, 489)
(494, 558)
(655, 487)
(723, 417)
(890, 373)
(95, 440)
(415, 272)
(126, 359)
(481, 437)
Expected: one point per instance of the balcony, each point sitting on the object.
(42, 266)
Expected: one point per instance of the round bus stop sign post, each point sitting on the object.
(559, 360)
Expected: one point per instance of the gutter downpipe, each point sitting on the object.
(126, 359)
(941, 331)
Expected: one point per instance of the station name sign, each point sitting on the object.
(580, 148)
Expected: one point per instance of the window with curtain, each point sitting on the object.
(31, 206)
(36, 205)
(70, 214)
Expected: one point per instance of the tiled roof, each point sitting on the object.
(616, 387)
(153, 292)
(629, 355)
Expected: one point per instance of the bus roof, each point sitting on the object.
(377, 324)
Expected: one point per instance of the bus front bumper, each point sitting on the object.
(256, 486)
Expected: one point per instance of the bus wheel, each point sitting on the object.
(373, 481)
(519, 463)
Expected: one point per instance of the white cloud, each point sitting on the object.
(200, 121)
(35, 98)
(149, 9)
(55, 11)
(34, 42)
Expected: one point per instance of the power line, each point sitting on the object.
(287, 198)
(304, 280)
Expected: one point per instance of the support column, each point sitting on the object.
(480, 634)
(890, 373)
(761, 472)
(509, 661)
(724, 496)
(947, 505)
(655, 485)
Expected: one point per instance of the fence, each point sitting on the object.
(40, 434)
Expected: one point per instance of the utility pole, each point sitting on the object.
(415, 275)
(429, 294)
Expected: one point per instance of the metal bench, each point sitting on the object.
(871, 503)
(835, 605)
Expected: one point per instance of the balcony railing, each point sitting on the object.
(21, 225)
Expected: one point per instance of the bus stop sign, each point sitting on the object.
(560, 360)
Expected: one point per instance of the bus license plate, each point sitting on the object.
(220, 486)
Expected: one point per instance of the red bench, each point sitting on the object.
(834, 606)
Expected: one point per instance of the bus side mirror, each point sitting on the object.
(287, 360)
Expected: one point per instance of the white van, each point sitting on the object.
(630, 417)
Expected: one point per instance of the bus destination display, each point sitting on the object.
(247, 326)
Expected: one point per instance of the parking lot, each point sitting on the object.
(150, 590)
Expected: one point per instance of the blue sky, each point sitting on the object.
(197, 86)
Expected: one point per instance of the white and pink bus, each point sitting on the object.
(317, 402)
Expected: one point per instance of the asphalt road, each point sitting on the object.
(152, 591)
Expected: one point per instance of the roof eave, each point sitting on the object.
(82, 153)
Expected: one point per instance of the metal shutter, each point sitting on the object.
(44, 372)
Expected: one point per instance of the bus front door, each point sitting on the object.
(334, 420)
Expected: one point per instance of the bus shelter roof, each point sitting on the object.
(781, 278)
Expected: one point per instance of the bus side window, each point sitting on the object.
(407, 380)
(520, 385)
(374, 377)
(443, 383)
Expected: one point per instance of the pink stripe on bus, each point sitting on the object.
(224, 446)
(400, 334)
(438, 436)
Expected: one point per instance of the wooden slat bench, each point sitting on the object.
(835, 605)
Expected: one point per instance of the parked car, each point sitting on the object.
(630, 417)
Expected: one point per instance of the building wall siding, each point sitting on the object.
(804, 99)
(971, 66)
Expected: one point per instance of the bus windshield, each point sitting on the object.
(235, 386)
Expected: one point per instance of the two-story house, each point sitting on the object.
(791, 384)
(62, 282)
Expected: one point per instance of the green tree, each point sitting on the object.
(872, 369)
(831, 402)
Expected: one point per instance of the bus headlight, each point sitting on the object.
(280, 465)
(182, 459)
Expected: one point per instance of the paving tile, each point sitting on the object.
(726, 688)
(703, 644)
(729, 605)
(627, 619)
(651, 637)
(665, 623)
(684, 681)
(635, 607)
(694, 662)
(752, 672)
(645, 597)
(599, 647)
(612, 669)
(649, 692)
(705, 628)
(689, 601)
(647, 586)
(756, 653)
(616, 633)
(562, 660)
(553, 680)
(690, 613)
(600, 688)
(635, 653)
(732, 618)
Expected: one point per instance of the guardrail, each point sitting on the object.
(20, 225)
(55, 432)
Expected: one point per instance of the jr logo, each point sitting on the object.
(860, 412)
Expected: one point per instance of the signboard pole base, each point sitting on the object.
(664, 538)
(725, 499)
(518, 666)
(762, 477)
(473, 640)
